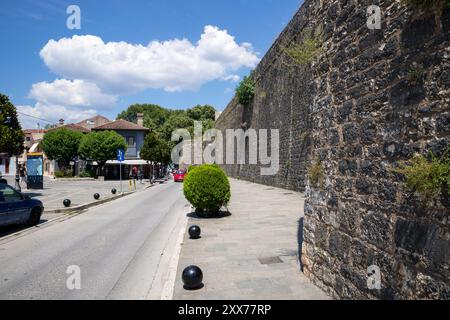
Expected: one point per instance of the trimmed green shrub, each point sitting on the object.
(207, 188)
(245, 91)
(59, 174)
(62, 174)
(87, 174)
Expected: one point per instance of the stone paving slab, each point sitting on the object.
(263, 228)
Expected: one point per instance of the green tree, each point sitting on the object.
(154, 115)
(11, 134)
(101, 147)
(164, 121)
(156, 149)
(202, 113)
(176, 121)
(62, 145)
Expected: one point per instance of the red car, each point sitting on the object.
(179, 175)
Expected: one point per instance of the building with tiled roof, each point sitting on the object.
(121, 125)
(71, 126)
(93, 122)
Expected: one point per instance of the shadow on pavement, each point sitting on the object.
(220, 215)
(300, 231)
(8, 230)
(33, 194)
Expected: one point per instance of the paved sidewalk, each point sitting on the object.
(253, 254)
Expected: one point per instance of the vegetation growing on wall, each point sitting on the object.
(317, 175)
(304, 53)
(430, 177)
(415, 74)
(245, 91)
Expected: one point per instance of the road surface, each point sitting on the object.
(125, 249)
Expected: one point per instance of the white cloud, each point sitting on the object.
(232, 78)
(95, 74)
(51, 113)
(174, 65)
(76, 93)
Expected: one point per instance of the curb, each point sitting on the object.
(72, 179)
(87, 205)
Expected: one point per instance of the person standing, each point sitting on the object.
(23, 175)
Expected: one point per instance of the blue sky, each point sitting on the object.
(81, 76)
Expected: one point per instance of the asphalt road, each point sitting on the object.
(125, 249)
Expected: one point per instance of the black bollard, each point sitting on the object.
(195, 232)
(96, 196)
(192, 278)
(67, 203)
(113, 191)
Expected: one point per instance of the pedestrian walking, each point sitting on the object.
(141, 176)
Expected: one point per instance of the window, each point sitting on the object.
(130, 142)
(28, 139)
(8, 194)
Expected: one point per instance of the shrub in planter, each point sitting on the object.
(207, 188)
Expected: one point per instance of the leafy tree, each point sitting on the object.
(201, 113)
(101, 147)
(11, 134)
(156, 149)
(154, 115)
(177, 121)
(62, 145)
(164, 121)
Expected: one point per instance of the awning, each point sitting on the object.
(128, 162)
(33, 148)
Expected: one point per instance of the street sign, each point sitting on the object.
(120, 155)
(120, 158)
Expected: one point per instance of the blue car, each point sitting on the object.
(17, 208)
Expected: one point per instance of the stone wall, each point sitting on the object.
(370, 99)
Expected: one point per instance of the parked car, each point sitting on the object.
(17, 208)
(179, 175)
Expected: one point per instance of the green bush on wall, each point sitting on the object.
(428, 177)
(316, 175)
(207, 188)
(245, 91)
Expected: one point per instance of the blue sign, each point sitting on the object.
(121, 155)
